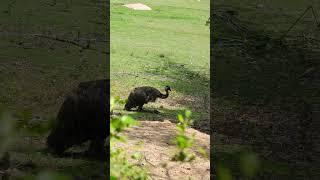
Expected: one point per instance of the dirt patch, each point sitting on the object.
(157, 148)
(138, 6)
(197, 104)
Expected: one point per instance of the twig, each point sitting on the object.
(3, 33)
(300, 17)
(61, 40)
(145, 158)
(97, 22)
(230, 39)
(315, 16)
(70, 42)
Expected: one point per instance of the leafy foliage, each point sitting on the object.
(183, 142)
(120, 167)
(244, 163)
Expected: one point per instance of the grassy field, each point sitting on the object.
(168, 45)
(38, 68)
(261, 91)
(35, 71)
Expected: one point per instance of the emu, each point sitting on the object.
(142, 95)
(83, 116)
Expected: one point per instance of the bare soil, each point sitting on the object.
(137, 6)
(156, 146)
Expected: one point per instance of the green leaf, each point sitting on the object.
(223, 173)
(136, 155)
(180, 118)
(202, 152)
(113, 178)
(249, 164)
(188, 113)
(180, 129)
(182, 141)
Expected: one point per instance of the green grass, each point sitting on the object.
(279, 68)
(275, 17)
(36, 73)
(254, 87)
(168, 45)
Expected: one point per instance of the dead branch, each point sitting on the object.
(97, 22)
(87, 46)
(298, 19)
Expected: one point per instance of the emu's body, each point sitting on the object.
(142, 95)
(82, 116)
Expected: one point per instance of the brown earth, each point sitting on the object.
(156, 146)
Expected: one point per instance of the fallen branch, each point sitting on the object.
(298, 19)
(87, 46)
(145, 158)
(97, 22)
(6, 34)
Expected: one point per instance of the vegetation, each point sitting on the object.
(44, 54)
(183, 142)
(120, 168)
(50, 46)
(168, 45)
(264, 87)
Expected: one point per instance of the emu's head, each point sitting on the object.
(167, 88)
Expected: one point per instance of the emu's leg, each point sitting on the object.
(140, 107)
(128, 106)
(96, 149)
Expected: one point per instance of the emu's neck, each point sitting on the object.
(163, 96)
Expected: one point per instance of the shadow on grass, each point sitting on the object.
(92, 170)
(273, 89)
(235, 164)
(167, 114)
(264, 71)
(31, 165)
(164, 114)
(193, 84)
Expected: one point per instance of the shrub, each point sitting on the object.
(120, 167)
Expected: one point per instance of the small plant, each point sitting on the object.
(183, 142)
(161, 55)
(120, 167)
(249, 165)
